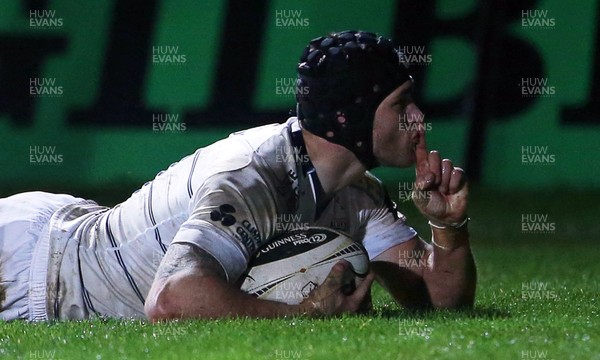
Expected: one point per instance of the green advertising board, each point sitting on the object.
(106, 93)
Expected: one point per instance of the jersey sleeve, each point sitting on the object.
(230, 218)
(385, 226)
(385, 229)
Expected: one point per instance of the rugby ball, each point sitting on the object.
(289, 267)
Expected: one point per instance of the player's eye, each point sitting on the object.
(400, 104)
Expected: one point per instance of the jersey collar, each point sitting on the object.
(311, 196)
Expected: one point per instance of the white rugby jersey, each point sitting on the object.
(229, 199)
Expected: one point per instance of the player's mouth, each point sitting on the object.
(415, 140)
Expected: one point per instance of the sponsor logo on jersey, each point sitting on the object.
(223, 215)
(249, 235)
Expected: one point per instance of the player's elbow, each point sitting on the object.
(455, 298)
(155, 312)
(183, 296)
(161, 304)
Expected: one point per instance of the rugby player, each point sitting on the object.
(177, 247)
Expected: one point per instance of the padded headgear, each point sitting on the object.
(342, 79)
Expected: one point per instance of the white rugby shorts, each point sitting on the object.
(24, 251)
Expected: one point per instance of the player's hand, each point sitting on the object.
(440, 192)
(330, 298)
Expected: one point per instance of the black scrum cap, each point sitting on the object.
(342, 79)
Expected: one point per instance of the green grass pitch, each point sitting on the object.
(537, 298)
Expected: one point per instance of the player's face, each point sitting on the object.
(397, 126)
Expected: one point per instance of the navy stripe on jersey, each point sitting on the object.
(153, 221)
(88, 301)
(189, 183)
(121, 262)
(85, 293)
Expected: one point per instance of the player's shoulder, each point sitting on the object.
(369, 186)
(243, 160)
(241, 149)
(258, 137)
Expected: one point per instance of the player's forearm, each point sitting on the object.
(451, 277)
(207, 297)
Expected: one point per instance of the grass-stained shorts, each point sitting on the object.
(24, 251)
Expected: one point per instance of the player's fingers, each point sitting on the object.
(446, 174)
(435, 165)
(332, 283)
(362, 290)
(366, 306)
(424, 182)
(424, 178)
(457, 180)
(421, 155)
(335, 277)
